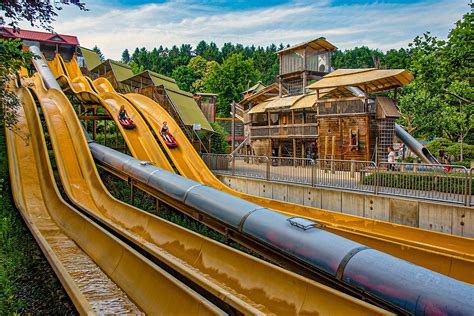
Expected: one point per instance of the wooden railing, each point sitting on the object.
(285, 131)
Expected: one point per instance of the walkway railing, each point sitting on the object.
(444, 183)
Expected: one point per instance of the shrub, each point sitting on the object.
(422, 181)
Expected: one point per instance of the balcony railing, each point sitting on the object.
(309, 130)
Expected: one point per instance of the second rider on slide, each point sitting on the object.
(168, 138)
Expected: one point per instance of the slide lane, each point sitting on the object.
(94, 267)
(447, 254)
(148, 149)
(246, 283)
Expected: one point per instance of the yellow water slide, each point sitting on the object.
(139, 140)
(246, 283)
(101, 274)
(448, 254)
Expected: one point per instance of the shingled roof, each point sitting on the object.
(46, 37)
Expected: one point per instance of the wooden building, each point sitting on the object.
(335, 110)
(49, 43)
(207, 104)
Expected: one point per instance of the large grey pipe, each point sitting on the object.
(42, 67)
(422, 152)
(410, 287)
(48, 77)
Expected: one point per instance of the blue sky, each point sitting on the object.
(119, 24)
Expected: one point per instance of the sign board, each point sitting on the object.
(196, 126)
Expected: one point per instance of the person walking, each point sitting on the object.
(391, 159)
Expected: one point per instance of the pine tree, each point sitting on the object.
(125, 56)
(97, 50)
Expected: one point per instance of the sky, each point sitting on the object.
(384, 24)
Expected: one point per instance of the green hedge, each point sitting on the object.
(422, 181)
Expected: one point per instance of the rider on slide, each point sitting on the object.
(165, 133)
(124, 119)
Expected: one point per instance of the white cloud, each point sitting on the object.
(377, 25)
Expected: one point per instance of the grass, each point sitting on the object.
(28, 285)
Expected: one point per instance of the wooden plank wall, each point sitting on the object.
(340, 128)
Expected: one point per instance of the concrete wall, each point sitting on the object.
(436, 216)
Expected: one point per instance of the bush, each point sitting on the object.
(423, 181)
(218, 142)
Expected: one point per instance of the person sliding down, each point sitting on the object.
(165, 132)
(124, 119)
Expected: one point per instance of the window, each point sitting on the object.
(298, 117)
(274, 118)
(311, 117)
(354, 139)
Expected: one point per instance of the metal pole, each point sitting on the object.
(233, 126)
(132, 195)
(268, 168)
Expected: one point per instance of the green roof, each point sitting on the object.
(255, 88)
(91, 58)
(167, 82)
(188, 109)
(147, 78)
(121, 71)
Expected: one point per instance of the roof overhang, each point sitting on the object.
(319, 44)
(370, 80)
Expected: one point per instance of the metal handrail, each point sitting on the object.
(444, 183)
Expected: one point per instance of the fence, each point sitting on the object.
(444, 183)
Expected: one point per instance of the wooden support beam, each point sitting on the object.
(94, 125)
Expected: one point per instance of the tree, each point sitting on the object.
(358, 57)
(36, 12)
(12, 58)
(219, 143)
(229, 80)
(125, 56)
(184, 77)
(443, 88)
(98, 52)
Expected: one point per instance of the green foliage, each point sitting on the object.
(125, 56)
(218, 142)
(234, 76)
(451, 148)
(184, 77)
(440, 100)
(448, 183)
(36, 12)
(11, 60)
(358, 57)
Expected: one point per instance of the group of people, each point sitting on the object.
(445, 158)
(126, 120)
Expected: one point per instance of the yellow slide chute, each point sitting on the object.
(447, 254)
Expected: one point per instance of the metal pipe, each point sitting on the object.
(48, 78)
(422, 152)
(409, 287)
(42, 67)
